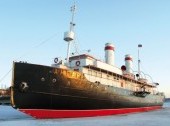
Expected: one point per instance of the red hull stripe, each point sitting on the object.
(109, 48)
(44, 113)
(128, 58)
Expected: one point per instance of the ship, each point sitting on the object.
(82, 85)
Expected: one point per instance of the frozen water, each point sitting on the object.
(12, 117)
(8, 113)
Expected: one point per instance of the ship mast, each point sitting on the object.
(69, 35)
(139, 72)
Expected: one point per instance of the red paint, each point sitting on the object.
(128, 58)
(44, 113)
(109, 48)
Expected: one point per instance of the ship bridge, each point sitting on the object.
(79, 61)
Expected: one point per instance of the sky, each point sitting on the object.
(32, 31)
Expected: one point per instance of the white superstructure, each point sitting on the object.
(76, 62)
(103, 72)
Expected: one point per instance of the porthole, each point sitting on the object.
(42, 79)
(54, 80)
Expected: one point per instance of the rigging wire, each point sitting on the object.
(5, 75)
(76, 45)
(38, 45)
(41, 43)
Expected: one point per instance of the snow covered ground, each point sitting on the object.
(12, 117)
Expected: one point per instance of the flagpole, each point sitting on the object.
(139, 46)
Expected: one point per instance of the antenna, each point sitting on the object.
(139, 72)
(69, 35)
(72, 24)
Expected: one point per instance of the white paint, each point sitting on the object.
(129, 63)
(69, 36)
(107, 67)
(109, 54)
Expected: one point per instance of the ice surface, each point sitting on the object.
(12, 117)
(8, 113)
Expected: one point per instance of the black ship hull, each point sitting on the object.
(43, 87)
